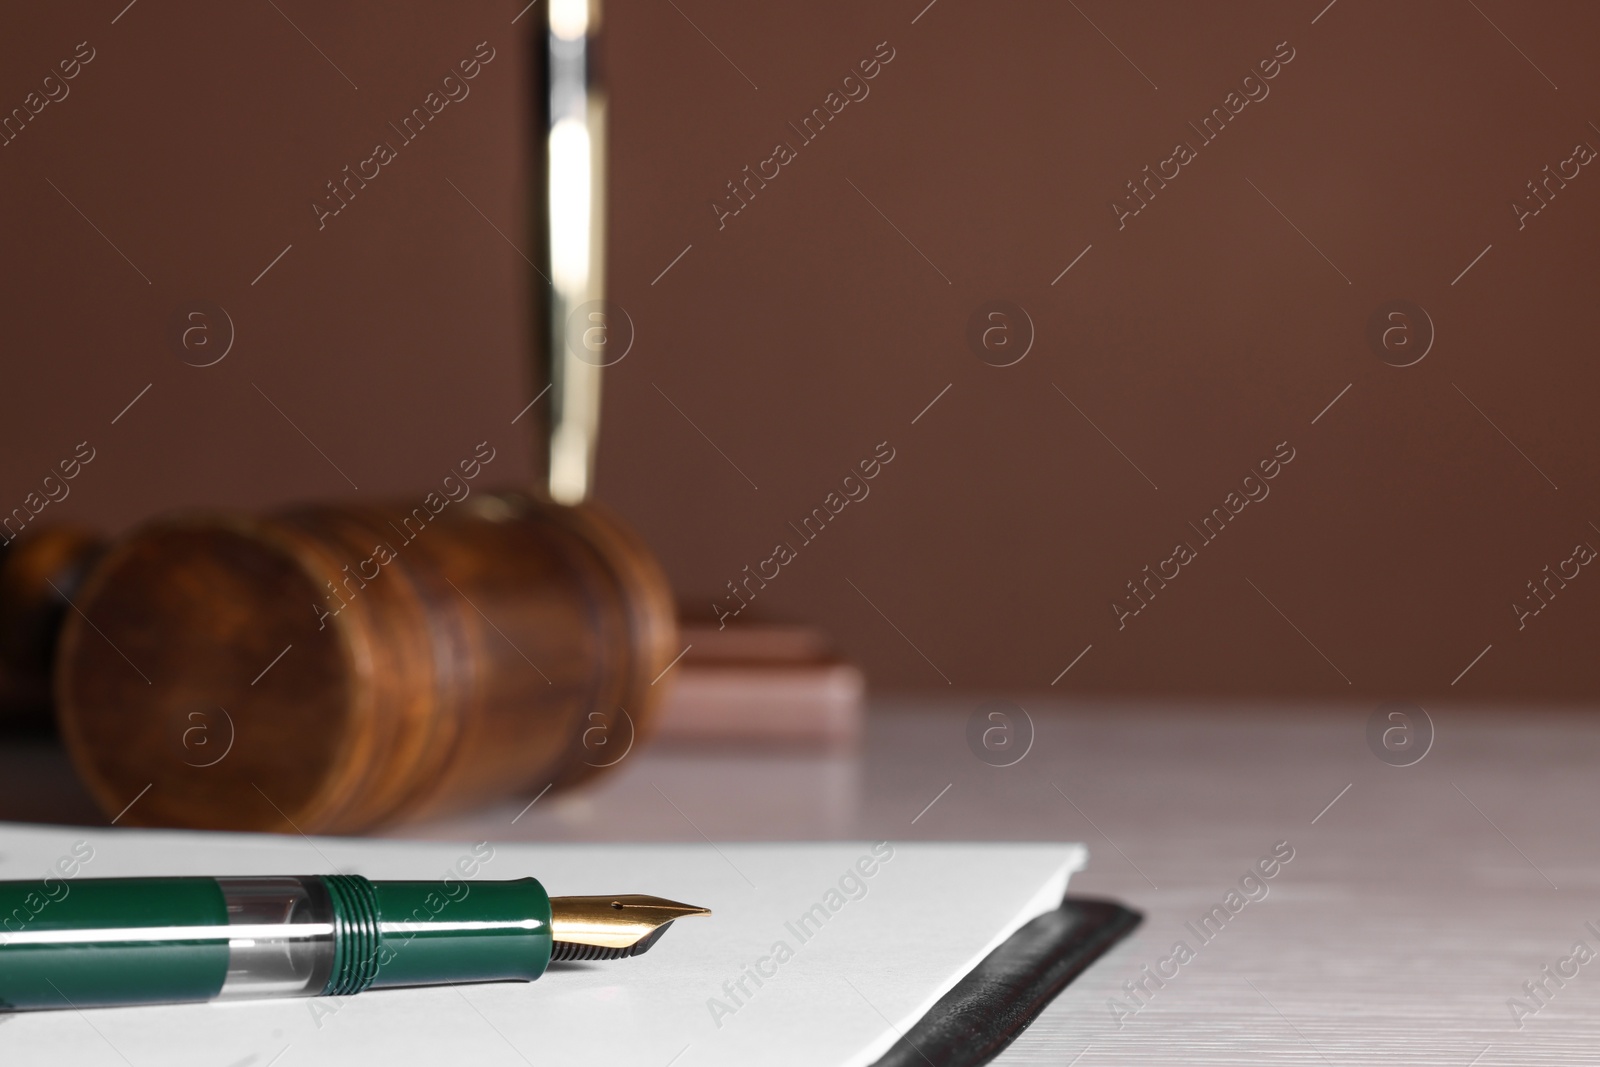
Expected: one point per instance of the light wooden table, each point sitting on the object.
(1413, 911)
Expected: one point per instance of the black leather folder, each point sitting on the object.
(1002, 995)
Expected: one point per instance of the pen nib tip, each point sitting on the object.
(609, 928)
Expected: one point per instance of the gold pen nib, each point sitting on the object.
(611, 928)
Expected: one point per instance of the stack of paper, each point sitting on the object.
(815, 954)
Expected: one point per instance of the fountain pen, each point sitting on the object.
(99, 942)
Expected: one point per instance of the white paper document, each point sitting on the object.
(816, 954)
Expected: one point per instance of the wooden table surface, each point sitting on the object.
(1418, 901)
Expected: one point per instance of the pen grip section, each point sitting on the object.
(461, 931)
(446, 932)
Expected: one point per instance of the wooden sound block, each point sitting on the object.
(765, 684)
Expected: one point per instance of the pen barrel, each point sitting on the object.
(95, 942)
(118, 941)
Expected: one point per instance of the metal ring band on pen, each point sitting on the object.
(355, 934)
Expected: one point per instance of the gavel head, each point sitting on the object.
(333, 668)
(40, 573)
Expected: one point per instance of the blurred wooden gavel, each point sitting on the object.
(335, 667)
(330, 668)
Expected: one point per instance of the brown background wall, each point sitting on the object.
(1218, 323)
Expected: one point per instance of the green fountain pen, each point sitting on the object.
(116, 941)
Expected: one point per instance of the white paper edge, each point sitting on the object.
(1047, 899)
